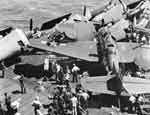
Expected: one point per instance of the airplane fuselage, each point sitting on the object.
(142, 57)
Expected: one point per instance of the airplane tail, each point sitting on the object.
(87, 13)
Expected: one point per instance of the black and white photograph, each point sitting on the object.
(74, 57)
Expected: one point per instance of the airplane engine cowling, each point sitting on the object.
(12, 44)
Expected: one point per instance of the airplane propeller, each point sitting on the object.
(84, 10)
(31, 24)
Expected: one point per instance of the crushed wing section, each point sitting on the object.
(85, 50)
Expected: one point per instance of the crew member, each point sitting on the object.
(59, 73)
(111, 54)
(84, 99)
(67, 76)
(132, 101)
(54, 69)
(37, 105)
(75, 71)
(74, 104)
(15, 106)
(36, 33)
(8, 103)
(21, 82)
(46, 68)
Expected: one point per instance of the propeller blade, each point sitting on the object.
(50, 24)
(84, 10)
(87, 12)
(31, 24)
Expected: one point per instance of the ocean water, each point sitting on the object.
(17, 13)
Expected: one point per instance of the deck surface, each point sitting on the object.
(11, 86)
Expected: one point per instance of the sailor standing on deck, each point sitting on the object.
(15, 106)
(67, 76)
(75, 71)
(21, 82)
(59, 73)
(37, 105)
(46, 68)
(84, 99)
(74, 101)
(8, 103)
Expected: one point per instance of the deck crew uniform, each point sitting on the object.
(8, 103)
(59, 73)
(75, 70)
(22, 86)
(74, 105)
(37, 105)
(15, 106)
(85, 97)
(46, 67)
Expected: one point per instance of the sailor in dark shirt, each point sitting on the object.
(8, 103)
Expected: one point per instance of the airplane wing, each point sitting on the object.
(96, 85)
(85, 50)
(103, 85)
(132, 85)
(136, 85)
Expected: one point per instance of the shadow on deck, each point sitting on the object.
(29, 70)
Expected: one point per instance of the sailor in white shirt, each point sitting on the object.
(75, 71)
(59, 73)
(36, 104)
(46, 67)
(74, 101)
(15, 106)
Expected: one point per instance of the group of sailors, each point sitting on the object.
(9, 107)
(134, 104)
(64, 101)
(53, 69)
